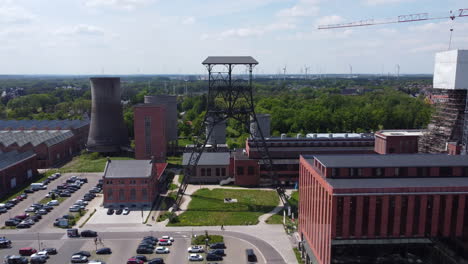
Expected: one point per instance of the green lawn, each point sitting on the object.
(200, 239)
(87, 163)
(276, 219)
(174, 160)
(207, 207)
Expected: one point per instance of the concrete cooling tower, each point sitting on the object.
(107, 132)
(218, 133)
(264, 120)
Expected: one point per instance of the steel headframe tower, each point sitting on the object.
(228, 97)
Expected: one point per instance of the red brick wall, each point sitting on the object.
(395, 144)
(158, 132)
(18, 171)
(247, 179)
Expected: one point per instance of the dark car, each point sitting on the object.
(5, 243)
(38, 260)
(218, 245)
(211, 257)
(103, 251)
(219, 252)
(88, 233)
(144, 250)
(12, 222)
(110, 211)
(3, 210)
(119, 212)
(50, 251)
(87, 198)
(151, 237)
(65, 194)
(23, 225)
(9, 205)
(251, 257)
(15, 260)
(29, 191)
(83, 253)
(156, 261)
(140, 257)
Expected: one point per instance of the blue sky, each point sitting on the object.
(174, 36)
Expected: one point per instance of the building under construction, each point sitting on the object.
(446, 131)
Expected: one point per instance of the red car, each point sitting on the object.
(134, 261)
(22, 216)
(27, 251)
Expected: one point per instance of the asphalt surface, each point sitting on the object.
(123, 245)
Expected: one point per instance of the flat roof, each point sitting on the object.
(373, 183)
(209, 158)
(230, 60)
(401, 133)
(128, 169)
(390, 160)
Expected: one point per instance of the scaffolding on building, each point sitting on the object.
(447, 124)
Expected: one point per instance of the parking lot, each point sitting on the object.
(46, 223)
(123, 248)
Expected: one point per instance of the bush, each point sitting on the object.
(200, 240)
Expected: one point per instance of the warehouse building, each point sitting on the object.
(132, 183)
(16, 169)
(358, 200)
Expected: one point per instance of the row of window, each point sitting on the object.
(122, 197)
(126, 182)
(322, 144)
(207, 172)
(398, 172)
(250, 170)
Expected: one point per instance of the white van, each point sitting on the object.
(38, 186)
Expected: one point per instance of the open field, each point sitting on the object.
(208, 207)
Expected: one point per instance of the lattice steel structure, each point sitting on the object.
(229, 96)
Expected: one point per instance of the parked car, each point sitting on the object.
(29, 190)
(23, 225)
(74, 209)
(103, 251)
(211, 257)
(51, 251)
(88, 233)
(53, 203)
(168, 238)
(22, 216)
(65, 194)
(219, 252)
(83, 253)
(27, 251)
(119, 212)
(5, 243)
(16, 260)
(3, 210)
(218, 245)
(144, 250)
(162, 250)
(141, 257)
(164, 242)
(126, 211)
(195, 257)
(73, 232)
(12, 222)
(156, 261)
(37, 259)
(251, 257)
(134, 261)
(110, 211)
(79, 259)
(195, 249)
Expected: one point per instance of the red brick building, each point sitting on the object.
(150, 132)
(132, 183)
(349, 200)
(212, 167)
(397, 141)
(16, 169)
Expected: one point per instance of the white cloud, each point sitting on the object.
(431, 47)
(253, 31)
(303, 8)
(117, 4)
(10, 14)
(384, 2)
(326, 20)
(189, 21)
(81, 30)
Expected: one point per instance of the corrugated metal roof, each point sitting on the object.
(392, 160)
(398, 182)
(8, 159)
(209, 158)
(128, 169)
(230, 60)
(43, 124)
(35, 137)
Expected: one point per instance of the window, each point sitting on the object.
(223, 171)
(377, 172)
(208, 172)
(121, 194)
(397, 172)
(148, 135)
(240, 170)
(251, 170)
(445, 171)
(132, 194)
(109, 182)
(132, 181)
(110, 194)
(203, 172)
(121, 182)
(218, 172)
(144, 194)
